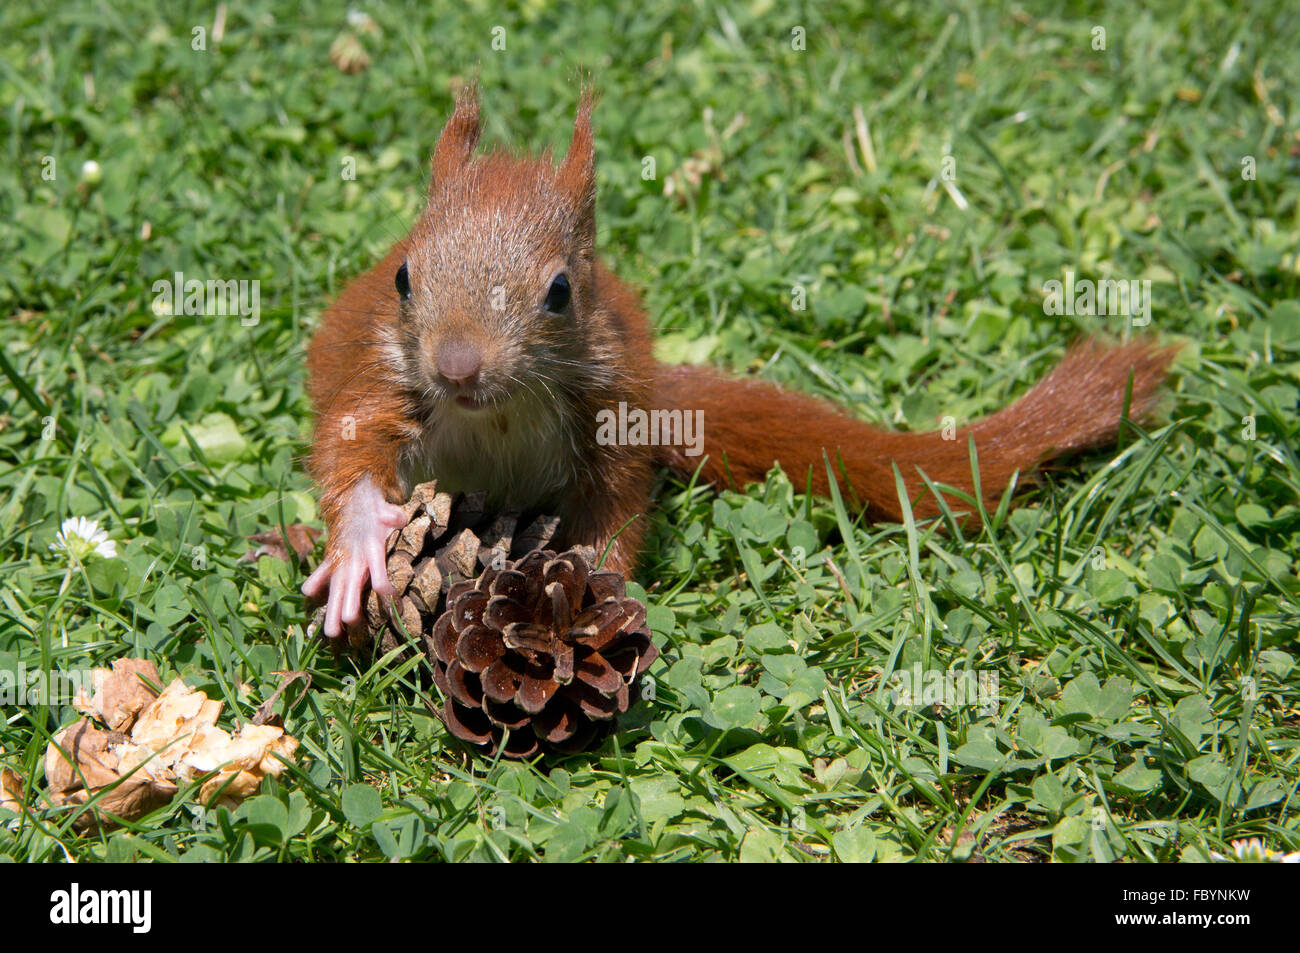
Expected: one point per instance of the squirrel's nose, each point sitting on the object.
(459, 362)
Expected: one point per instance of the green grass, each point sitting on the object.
(1139, 612)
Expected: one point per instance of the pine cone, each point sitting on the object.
(577, 662)
(544, 648)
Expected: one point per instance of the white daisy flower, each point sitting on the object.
(360, 20)
(1253, 850)
(80, 537)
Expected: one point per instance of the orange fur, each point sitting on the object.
(1077, 406)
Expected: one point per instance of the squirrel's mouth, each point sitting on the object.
(466, 402)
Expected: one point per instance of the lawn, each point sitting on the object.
(1125, 633)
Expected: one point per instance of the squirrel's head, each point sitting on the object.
(497, 288)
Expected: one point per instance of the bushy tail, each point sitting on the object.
(749, 425)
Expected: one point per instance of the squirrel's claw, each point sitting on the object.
(315, 583)
(356, 554)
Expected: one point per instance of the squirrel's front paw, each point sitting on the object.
(356, 552)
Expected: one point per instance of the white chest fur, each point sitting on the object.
(521, 454)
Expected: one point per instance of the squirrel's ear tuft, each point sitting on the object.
(459, 137)
(577, 175)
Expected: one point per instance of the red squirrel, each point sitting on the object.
(484, 348)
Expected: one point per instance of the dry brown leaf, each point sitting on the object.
(248, 756)
(178, 712)
(245, 750)
(174, 738)
(120, 694)
(265, 715)
(271, 543)
(347, 53)
(11, 789)
(217, 793)
(89, 748)
(134, 797)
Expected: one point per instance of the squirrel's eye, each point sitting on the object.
(403, 281)
(557, 297)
